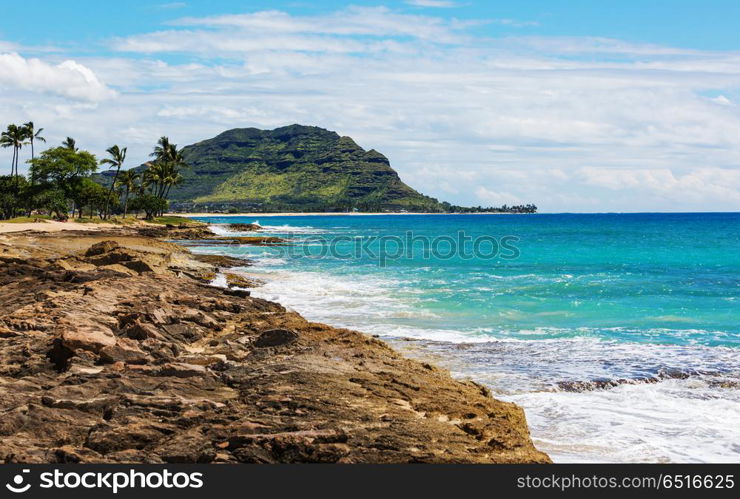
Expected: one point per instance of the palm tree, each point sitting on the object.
(33, 135)
(154, 176)
(164, 171)
(173, 179)
(178, 159)
(7, 141)
(117, 157)
(70, 143)
(127, 180)
(162, 150)
(15, 137)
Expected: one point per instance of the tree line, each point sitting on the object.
(60, 180)
(519, 208)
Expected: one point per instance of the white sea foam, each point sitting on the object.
(268, 261)
(292, 229)
(339, 301)
(671, 420)
(589, 400)
(222, 230)
(677, 420)
(219, 281)
(225, 230)
(646, 413)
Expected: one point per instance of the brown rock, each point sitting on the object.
(90, 337)
(277, 388)
(275, 338)
(241, 293)
(114, 257)
(182, 370)
(68, 454)
(107, 438)
(125, 350)
(245, 227)
(7, 333)
(191, 232)
(222, 261)
(187, 447)
(241, 281)
(139, 266)
(101, 248)
(141, 331)
(249, 240)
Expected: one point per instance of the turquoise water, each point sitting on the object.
(597, 313)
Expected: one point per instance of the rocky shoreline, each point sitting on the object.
(115, 349)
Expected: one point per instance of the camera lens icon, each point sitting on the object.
(17, 486)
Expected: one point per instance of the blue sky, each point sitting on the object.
(709, 24)
(574, 105)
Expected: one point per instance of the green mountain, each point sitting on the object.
(299, 168)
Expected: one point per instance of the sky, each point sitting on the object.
(574, 105)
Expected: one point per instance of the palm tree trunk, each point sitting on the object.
(110, 193)
(17, 158)
(14, 175)
(166, 195)
(125, 203)
(12, 163)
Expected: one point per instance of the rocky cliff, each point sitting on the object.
(114, 349)
(291, 168)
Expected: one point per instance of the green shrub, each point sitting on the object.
(151, 205)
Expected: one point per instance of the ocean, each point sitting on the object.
(619, 334)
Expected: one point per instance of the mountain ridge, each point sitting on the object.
(295, 167)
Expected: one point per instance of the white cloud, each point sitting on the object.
(515, 24)
(354, 29)
(488, 197)
(172, 5)
(718, 185)
(722, 100)
(69, 78)
(6, 46)
(571, 124)
(432, 3)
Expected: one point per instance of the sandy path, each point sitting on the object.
(47, 226)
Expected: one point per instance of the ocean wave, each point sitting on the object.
(222, 230)
(267, 261)
(517, 366)
(219, 281)
(292, 229)
(608, 393)
(226, 231)
(711, 378)
(377, 302)
(675, 420)
(589, 400)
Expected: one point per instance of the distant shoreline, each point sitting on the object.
(313, 214)
(298, 214)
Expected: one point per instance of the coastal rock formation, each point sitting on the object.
(111, 352)
(245, 227)
(223, 261)
(178, 232)
(292, 168)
